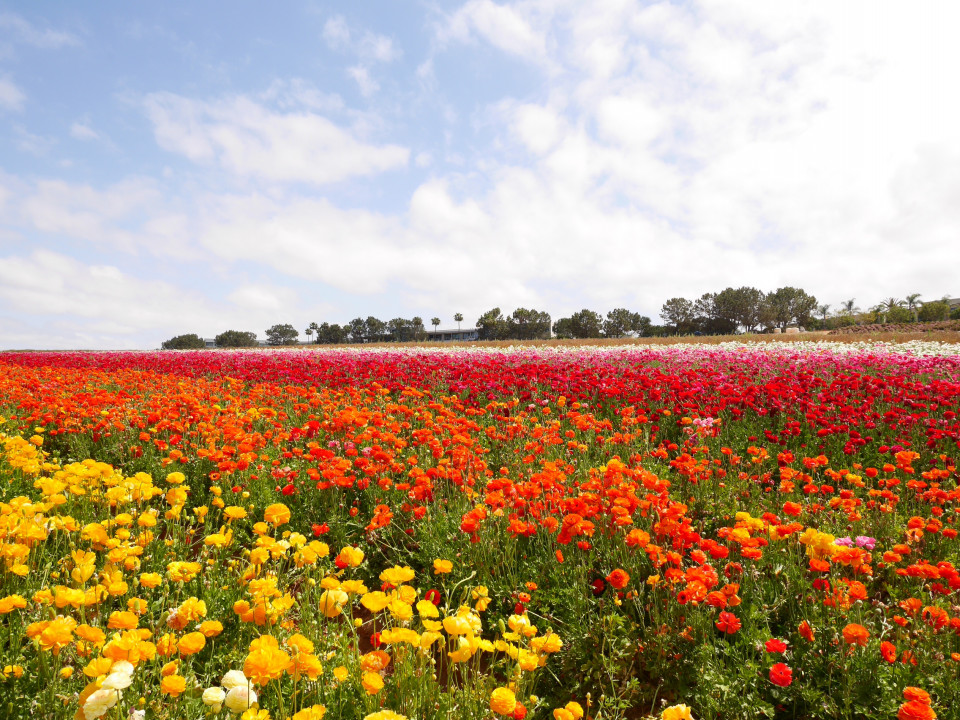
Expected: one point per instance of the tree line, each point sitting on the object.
(727, 312)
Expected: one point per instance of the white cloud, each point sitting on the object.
(336, 32)
(11, 96)
(260, 297)
(30, 35)
(83, 131)
(252, 141)
(503, 26)
(368, 86)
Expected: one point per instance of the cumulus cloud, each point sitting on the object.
(250, 140)
(506, 27)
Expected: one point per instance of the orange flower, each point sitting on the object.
(618, 579)
(173, 685)
(191, 643)
(854, 634)
(277, 514)
(266, 660)
(917, 705)
(122, 620)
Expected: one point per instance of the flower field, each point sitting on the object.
(720, 532)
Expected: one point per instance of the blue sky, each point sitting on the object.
(196, 167)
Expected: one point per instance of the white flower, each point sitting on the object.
(240, 698)
(116, 681)
(99, 703)
(234, 678)
(137, 714)
(122, 666)
(213, 697)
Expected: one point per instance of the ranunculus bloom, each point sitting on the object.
(618, 579)
(173, 685)
(239, 698)
(889, 651)
(191, 643)
(854, 634)
(213, 698)
(676, 712)
(775, 645)
(277, 514)
(781, 674)
(728, 623)
(503, 701)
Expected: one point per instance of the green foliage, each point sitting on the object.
(236, 338)
(933, 311)
(282, 335)
(583, 324)
(190, 341)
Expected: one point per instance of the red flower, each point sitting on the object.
(598, 586)
(889, 651)
(781, 675)
(433, 596)
(728, 623)
(806, 632)
(773, 645)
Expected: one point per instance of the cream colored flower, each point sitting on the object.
(240, 698)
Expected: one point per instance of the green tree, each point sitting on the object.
(492, 325)
(285, 334)
(679, 312)
(789, 305)
(582, 324)
(741, 306)
(620, 322)
(887, 306)
(376, 329)
(823, 311)
(418, 333)
(458, 318)
(311, 329)
(190, 341)
(435, 322)
(357, 330)
(934, 311)
(236, 338)
(913, 305)
(849, 307)
(524, 324)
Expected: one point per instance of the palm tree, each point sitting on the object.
(435, 322)
(458, 318)
(888, 306)
(913, 305)
(849, 307)
(824, 310)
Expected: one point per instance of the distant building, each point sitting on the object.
(209, 343)
(454, 335)
(954, 303)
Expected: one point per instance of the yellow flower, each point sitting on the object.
(372, 682)
(315, 712)
(350, 557)
(175, 478)
(277, 514)
(340, 673)
(503, 701)
(173, 685)
(211, 628)
(385, 715)
(122, 620)
(397, 575)
(150, 580)
(234, 512)
(676, 712)
(442, 567)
